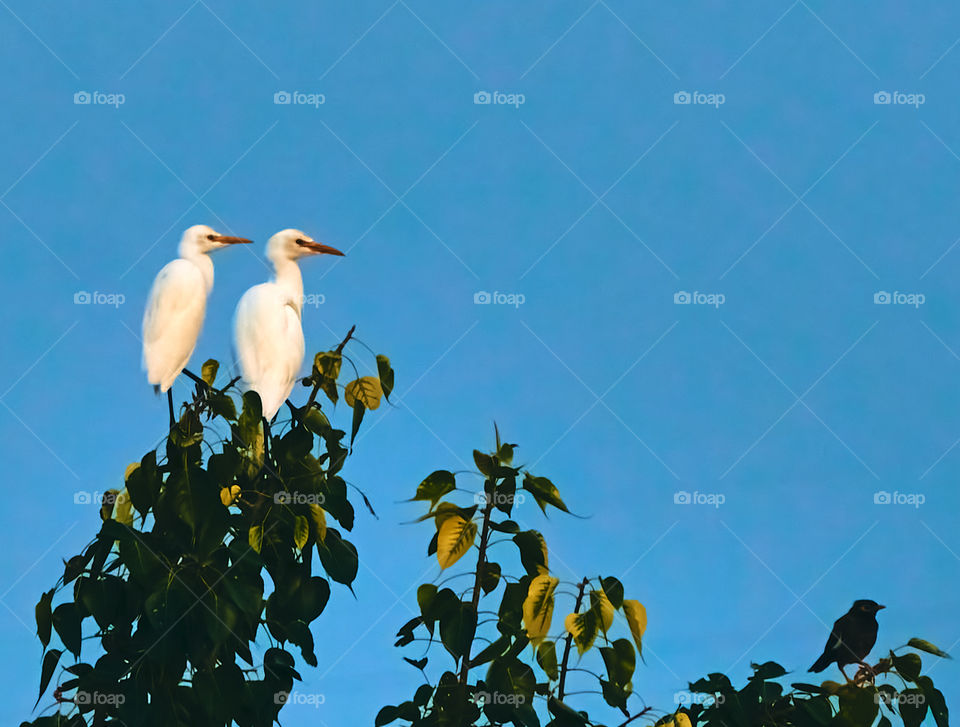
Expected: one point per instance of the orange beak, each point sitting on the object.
(318, 248)
(228, 240)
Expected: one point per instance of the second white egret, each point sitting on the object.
(268, 330)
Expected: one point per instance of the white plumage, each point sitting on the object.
(268, 331)
(177, 304)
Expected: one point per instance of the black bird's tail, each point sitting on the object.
(822, 663)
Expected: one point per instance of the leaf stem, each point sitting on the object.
(569, 642)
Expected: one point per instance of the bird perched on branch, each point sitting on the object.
(177, 306)
(268, 331)
(853, 635)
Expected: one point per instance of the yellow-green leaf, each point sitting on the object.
(229, 495)
(583, 627)
(538, 607)
(601, 604)
(680, 719)
(366, 390)
(319, 518)
(255, 537)
(454, 538)
(636, 616)
(301, 531)
(122, 509)
(209, 371)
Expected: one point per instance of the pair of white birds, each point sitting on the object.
(268, 332)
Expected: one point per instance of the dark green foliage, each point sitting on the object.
(173, 586)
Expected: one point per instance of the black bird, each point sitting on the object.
(853, 635)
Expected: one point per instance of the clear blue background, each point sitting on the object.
(495, 198)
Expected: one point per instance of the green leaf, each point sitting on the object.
(547, 659)
(620, 661)
(435, 486)
(66, 622)
(489, 576)
(339, 557)
(935, 701)
(926, 646)
(358, 411)
(484, 463)
(222, 405)
(122, 511)
(50, 661)
(44, 616)
(209, 371)
(544, 492)
(614, 590)
(366, 390)
(533, 551)
(912, 704)
(144, 482)
(301, 531)
(385, 372)
(908, 666)
(326, 369)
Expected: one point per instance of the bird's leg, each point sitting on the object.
(849, 680)
(266, 440)
(867, 670)
(173, 419)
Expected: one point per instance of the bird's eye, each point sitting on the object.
(210, 237)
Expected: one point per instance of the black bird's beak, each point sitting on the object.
(880, 607)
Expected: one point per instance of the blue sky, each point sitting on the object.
(783, 190)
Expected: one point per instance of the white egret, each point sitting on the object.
(177, 304)
(268, 331)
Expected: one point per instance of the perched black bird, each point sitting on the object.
(853, 635)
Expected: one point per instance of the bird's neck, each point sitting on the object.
(205, 265)
(291, 280)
